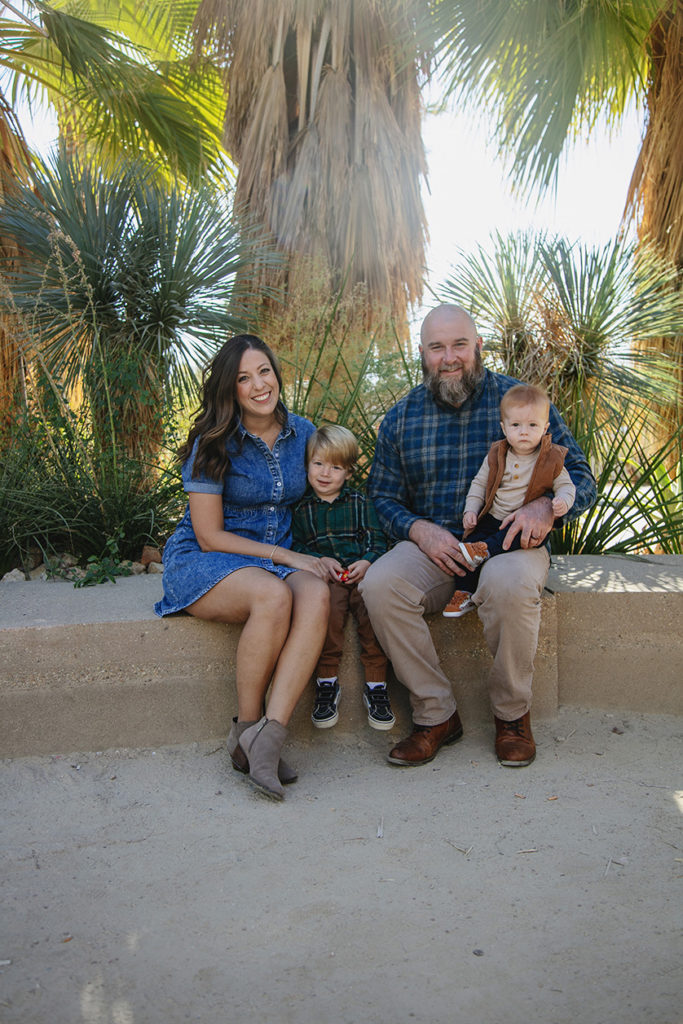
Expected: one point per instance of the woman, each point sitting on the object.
(229, 559)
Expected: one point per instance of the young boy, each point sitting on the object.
(519, 469)
(340, 526)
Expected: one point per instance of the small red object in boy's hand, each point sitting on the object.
(343, 575)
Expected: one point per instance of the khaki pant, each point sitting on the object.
(404, 584)
(345, 597)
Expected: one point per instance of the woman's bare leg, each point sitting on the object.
(301, 650)
(264, 604)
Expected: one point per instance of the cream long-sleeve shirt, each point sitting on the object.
(510, 495)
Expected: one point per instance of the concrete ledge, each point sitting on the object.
(619, 637)
(94, 669)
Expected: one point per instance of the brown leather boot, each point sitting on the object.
(515, 747)
(286, 774)
(425, 741)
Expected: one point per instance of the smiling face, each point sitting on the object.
(524, 426)
(257, 389)
(451, 354)
(326, 477)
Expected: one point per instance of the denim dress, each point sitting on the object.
(258, 492)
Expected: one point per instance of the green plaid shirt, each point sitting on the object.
(346, 529)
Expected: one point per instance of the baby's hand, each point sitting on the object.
(469, 520)
(560, 507)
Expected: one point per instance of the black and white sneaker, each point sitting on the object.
(376, 700)
(327, 697)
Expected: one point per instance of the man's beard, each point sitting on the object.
(455, 391)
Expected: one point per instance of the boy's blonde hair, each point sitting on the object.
(521, 395)
(335, 443)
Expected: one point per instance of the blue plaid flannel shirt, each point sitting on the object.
(427, 455)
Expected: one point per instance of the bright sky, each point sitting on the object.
(469, 195)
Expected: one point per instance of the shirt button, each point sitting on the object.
(515, 476)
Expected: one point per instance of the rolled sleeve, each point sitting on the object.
(202, 484)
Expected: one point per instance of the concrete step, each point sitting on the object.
(94, 669)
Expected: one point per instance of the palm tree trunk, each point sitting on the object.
(324, 120)
(656, 188)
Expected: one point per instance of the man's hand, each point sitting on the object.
(440, 545)
(533, 521)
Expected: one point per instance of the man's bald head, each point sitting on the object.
(444, 315)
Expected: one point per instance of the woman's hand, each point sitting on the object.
(308, 563)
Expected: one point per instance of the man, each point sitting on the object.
(430, 446)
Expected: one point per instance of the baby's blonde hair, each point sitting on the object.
(521, 395)
(335, 443)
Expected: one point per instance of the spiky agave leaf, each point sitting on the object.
(566, 315)
(121, 271)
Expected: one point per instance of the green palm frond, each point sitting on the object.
(546, 69)
(115, 90)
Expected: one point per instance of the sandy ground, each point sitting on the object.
(155, 886)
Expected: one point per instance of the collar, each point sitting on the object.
(286, 429)
(310, 493)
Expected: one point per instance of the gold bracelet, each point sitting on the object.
(273, 552)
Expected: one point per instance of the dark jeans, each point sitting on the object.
(487, 529)
(344, 597)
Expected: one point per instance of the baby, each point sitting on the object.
(523, 467)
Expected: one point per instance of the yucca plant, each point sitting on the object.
(564, 315)
(640, 496)
(124, 285)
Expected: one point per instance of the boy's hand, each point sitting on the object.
(356, 571)
(560, 507)
(469, 520)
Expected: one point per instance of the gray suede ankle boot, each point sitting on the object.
(286, 774)
(262, 743)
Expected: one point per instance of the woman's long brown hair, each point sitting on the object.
(219, 411)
